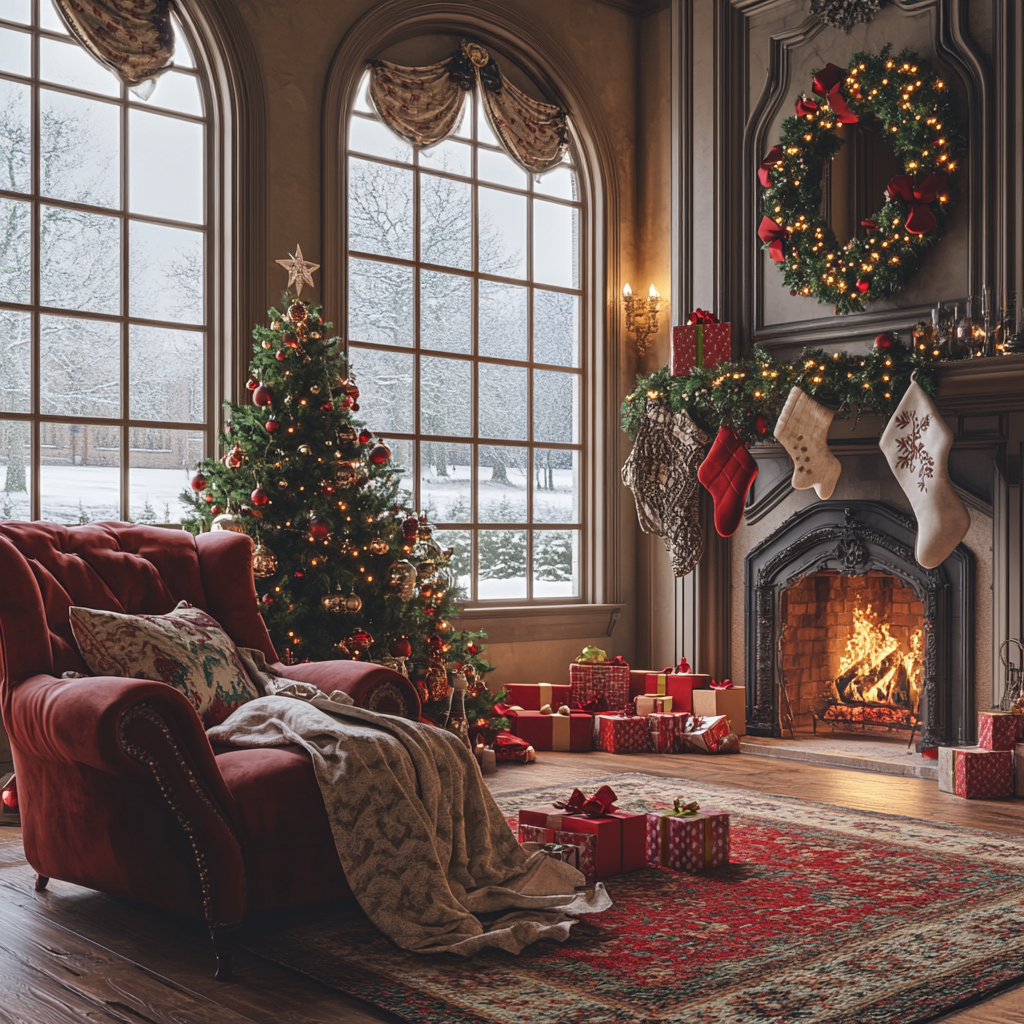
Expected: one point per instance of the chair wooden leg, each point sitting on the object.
(41, 882)
(224, 942)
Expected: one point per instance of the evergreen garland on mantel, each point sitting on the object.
(749, 394)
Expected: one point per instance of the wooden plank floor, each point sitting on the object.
(72, 955)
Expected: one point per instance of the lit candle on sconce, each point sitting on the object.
(641, 316)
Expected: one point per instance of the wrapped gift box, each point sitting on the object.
(585, 845)
(732, 703)
(690, 843)
(535, 834)
(648, 704)
(604, 680)
(975, 773)
(574, 731)
(638, 681)
(619, 836)
(997, 730)
(666, 732)
(700, 345)
(533, 696)
(678, 686)
(622, 734)
(704, 735)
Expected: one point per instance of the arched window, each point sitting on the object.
(104, 348)
(465, 321)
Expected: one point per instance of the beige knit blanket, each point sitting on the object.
(424, 846)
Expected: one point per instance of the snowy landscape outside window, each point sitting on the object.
(464, 322)
(103, 319)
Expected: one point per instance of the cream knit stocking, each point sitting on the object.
(803, 430)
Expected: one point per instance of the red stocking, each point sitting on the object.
(727, 473)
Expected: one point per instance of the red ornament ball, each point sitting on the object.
(291, 341)
(214, 510)
(299, 574)
(401, 648)
(10, 799)
(318, 528)
(380, 454)
(251, 384)
(761, 424)
(272, 426)
(209, 499)
(281, 355)
(262, 396)
(884, 342)
(472, 648)
(327, 407)
(198, 482)
(863, 285)
(259, 497)
(267, 599)
(364, 436)
(410, 527)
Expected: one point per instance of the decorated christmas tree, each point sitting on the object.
(343, 569)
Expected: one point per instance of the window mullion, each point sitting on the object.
(417, 452)
(35, 450)
(125, 305)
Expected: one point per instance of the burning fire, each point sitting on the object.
(876, 668)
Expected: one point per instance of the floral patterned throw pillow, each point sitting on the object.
(186, 649)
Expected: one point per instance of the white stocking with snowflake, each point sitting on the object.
(916, 444)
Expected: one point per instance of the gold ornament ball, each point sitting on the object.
(282, 484)
(444, 626)
(314, 389)
(228, 522)
(264, 562)
(378, 546)
(346, 474)
(265, 344)
(353, 603)
(334, 603)
(402, 577)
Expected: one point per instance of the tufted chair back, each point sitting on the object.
(118, 567)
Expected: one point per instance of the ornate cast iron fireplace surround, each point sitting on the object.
(853, 538)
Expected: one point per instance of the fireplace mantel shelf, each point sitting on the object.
(981, 385)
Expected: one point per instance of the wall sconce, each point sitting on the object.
(641, 317)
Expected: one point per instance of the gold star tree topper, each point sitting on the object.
(300, 272)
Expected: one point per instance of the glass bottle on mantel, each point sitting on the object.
(1008, 318)
(940, 333)
(965, 330)
(986, 336)
(959, 347)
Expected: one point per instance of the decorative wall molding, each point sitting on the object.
(541, 57)
(636, 8)
(525, 624)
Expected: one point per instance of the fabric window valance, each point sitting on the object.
(425, 105)
(134, 38)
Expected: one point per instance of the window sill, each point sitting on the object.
(519, 623)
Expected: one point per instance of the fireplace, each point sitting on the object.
(845, 631)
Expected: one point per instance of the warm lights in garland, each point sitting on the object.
(914, 107)
(749, 395)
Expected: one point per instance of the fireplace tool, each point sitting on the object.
(1013, 686)
(785, 708)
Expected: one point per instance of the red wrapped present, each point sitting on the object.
(638, 681)
(666, 732)
(687, 839)
(997, 730)
(705, 735)
(585, 845)
(535, 834)
(621, 733)
(609, 679)
(508, 747)
(573, 731)
(619, 836)
(670, 682)
(649, 703)
(533, 696)
(975, 773)
(731, 702)
(700, 344)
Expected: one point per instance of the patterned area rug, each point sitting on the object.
(824, 915)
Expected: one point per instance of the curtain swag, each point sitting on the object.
(134, 38)
(425, 105)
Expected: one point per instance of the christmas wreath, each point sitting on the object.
(914, 106)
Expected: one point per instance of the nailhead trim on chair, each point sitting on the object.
(144, 757)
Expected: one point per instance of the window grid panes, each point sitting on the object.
(104, 348)
(464, 327)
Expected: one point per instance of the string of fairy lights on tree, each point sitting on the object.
(749, 394)
(914, 108)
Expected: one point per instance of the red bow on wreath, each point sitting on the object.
(826, 84)
(920, 219)
(805, 106)
(773, 235)
(768, 164)
(596, 806)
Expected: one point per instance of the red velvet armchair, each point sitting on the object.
(118, 785)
